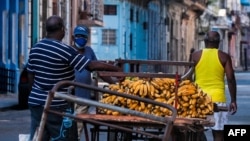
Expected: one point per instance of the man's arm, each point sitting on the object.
(101, 66)
(231, 81)
(108, 79)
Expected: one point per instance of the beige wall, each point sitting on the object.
(184, 32)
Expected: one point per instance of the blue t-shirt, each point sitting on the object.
(52, 61)
(85, 75)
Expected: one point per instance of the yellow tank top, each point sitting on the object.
(209, 75)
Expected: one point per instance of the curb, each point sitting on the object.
(7, 101)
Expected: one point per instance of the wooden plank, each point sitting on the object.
(134, 119)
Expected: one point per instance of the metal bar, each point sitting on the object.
(85, 131)
(135, 74)
(138, 63)
(146, 75)
(39, 132)
(155, 62)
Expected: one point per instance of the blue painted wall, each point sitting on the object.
(4, 26)
(126, 29)
(105, 52)
(35, 22)
(245, 2)
(23, 50)
(139, 48)
(13, 34)
(13, 42)
(144, 37)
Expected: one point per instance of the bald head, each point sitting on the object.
(55, 28)
(212, 39)
(212, 36)
(54, 24)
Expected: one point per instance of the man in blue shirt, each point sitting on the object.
(80, 37)
(51, 61)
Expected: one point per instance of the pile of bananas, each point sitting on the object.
(190, 101)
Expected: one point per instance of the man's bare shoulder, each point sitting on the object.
(196, 55)
(224, 55)
(197, 52)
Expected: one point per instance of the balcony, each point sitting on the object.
(91, 13)
(196, 4)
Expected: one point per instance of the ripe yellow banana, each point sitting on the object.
(155, 84)
(185, 82)
(141, 91)
(136, 83)
(137, 89)
(145, 90)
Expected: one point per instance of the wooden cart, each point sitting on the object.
(164, 123)
(137, 124)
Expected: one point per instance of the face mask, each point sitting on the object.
(80, 42)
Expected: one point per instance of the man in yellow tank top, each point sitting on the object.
(211, 67)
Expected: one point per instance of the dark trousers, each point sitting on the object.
(56, 126)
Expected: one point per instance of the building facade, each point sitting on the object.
(147, 30)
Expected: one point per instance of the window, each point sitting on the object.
(109, 37)
(110, 10)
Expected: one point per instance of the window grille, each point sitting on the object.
(109, 37)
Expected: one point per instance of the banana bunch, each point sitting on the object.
(190, 100)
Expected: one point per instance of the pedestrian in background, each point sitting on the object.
(211, 67)
(51, 61)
